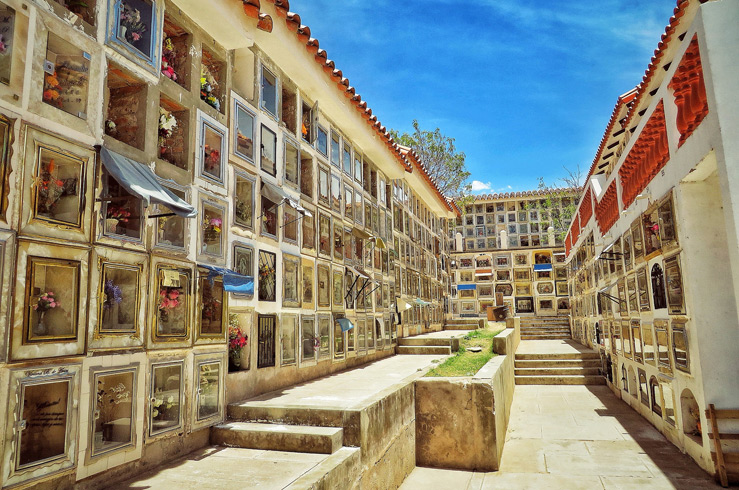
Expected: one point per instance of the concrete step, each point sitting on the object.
(547, 337)
(568, 356)
(277, 437)
(556, 371)
(460, 327)
(340, 471)
(560, 380)
(423, 349)
(545, 329)
(246, 411)
(424, 341)
(557, 363)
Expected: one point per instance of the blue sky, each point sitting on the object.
(524, 86)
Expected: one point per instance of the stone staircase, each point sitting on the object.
(464, 323)
(294, 430)
(579, 368)
(545, 328)
(427, 345)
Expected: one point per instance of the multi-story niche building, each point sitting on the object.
(169, 169)
(512, 244)
(652, 253)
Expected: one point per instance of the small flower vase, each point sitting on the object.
(234, 361)
(122, 32)
(111, 225)
(40, 329)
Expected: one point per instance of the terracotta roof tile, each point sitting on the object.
(264, 23)
(251, 8)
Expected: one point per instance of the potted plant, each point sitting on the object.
(237, 340)
(211, 230)
(46, 302)
(168, 301)
(130, 26)
(208, 84)
(113, 296)
(169, 57)
(115, 215)
(167, 125)
(107, 401)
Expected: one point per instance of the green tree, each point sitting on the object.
(559, 202)
(443, 162)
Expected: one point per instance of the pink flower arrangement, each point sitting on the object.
(169, 55)
(212, 158)
(169, 299)
(46, 302)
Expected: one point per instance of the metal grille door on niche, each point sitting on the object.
(266, 351)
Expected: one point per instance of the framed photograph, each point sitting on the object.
(545, 288)
(505, 288)
(674, 284)
(525, 304)
(561, 288)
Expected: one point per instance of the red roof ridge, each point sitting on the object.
(303, 34)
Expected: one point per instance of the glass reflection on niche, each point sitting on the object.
(113, 411)
(165, 404)
(208, 382)
(52, 299)
(45, 417)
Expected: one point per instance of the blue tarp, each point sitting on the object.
(542, 267)
(461, 287)
(233, 282)
(345, 324)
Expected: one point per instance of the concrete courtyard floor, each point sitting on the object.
(572, 438)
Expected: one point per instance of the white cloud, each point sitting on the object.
(479, 187)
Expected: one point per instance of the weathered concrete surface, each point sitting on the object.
(222, 468)
(253, 382)
(500, 371)
(278, 437)
(164, 449)
(374, 405)
(455, 424)
(461, 422)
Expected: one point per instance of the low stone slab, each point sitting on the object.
(277, 437)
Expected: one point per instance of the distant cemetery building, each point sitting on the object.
(512, 245)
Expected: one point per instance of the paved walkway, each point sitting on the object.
(349, 389)
(228, 468)
(572, 438)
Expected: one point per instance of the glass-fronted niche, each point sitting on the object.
(134, 30)
(6, 141)
(166, 397)
(171, 309)
(209, 396)
(113, 410)
(66, 75)
(211, 308)
(42, 420)
(50, 311)
(56, 195)
(121, 281)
